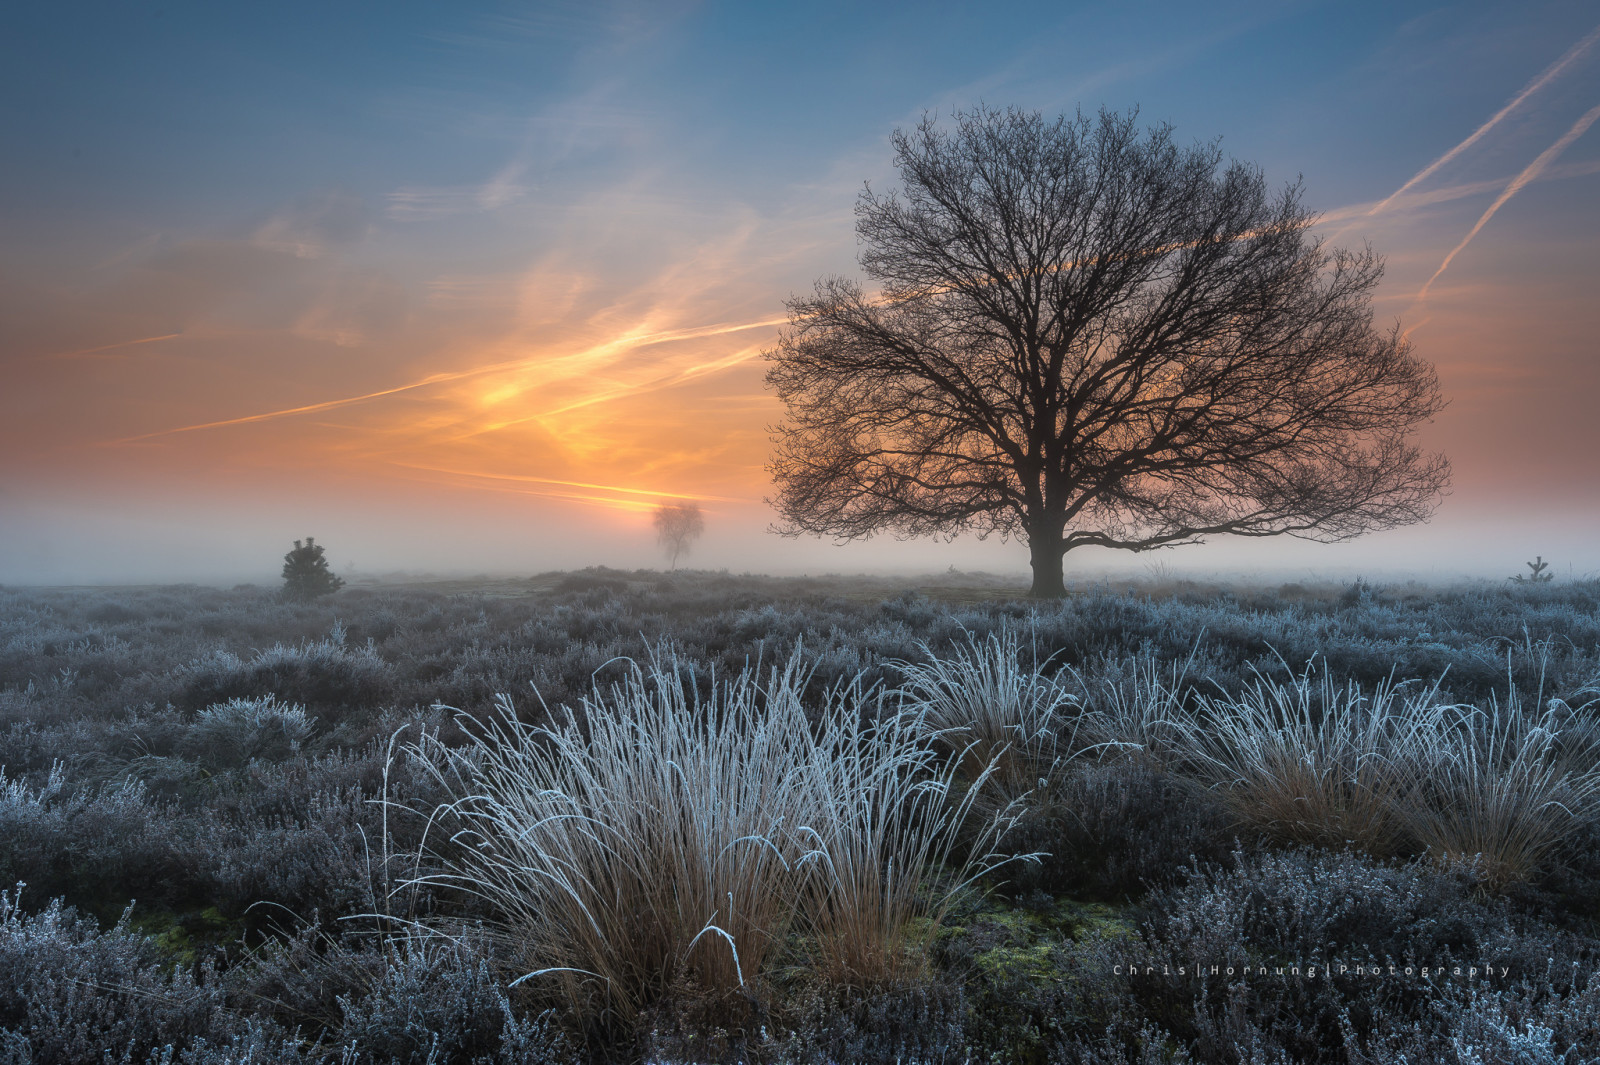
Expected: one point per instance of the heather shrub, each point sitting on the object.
(433, 998)
(324, 858)
(327, 677)
(923, 1021)
(256, 1042)
(72, 994)
(1272, 911)
(1551, 1018)
(230, 734)
(98, 847)
(1120, 826)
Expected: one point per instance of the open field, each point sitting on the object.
(612, 815)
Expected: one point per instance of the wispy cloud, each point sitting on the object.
(653, 497)
(1530, 173)
(416, 203)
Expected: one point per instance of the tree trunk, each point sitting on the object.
(1045, 552)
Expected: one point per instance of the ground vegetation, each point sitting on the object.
(902, 820)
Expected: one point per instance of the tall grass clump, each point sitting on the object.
(1138, 704)
(1310, 761)
(655, 839)
(1013, 722)
(894, 834)
(1507, 787)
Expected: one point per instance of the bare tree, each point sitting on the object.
(678, 525)
(1091, 336)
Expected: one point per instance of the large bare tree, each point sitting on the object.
(1086, 334)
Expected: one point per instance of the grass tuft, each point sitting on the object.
(1309, 761)
(1013, 722)
(1503, 791)
(654, 838)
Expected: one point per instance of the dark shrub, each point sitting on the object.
(1116, 829)
(330, 680)
(922, 1023)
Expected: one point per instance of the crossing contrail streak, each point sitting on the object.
(523, 479)
(113, 347)
(1550, 73)
(642, 340)
(1528, 174)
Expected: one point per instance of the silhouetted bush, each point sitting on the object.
(306, 574)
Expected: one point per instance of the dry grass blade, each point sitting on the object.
(887, 823)
(1139, 704)
(1015, 724)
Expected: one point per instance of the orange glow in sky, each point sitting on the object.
(512, 291)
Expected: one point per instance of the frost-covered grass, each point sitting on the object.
(1505, 786)
(1011, 720)
(650, 837)
(761, 864)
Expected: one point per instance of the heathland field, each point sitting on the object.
(610, 816)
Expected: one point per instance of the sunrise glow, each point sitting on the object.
(460, 276)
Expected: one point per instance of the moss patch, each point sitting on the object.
(1030, 972)
(186, 936)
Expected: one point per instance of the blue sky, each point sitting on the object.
(556, 238)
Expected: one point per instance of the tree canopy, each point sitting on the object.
(1085, 334)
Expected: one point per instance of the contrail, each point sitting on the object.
(662, 381)
(112, 347)
(309, 408)
(569, 484)
(1550, 73)
(1532, 171)
(1459, 192)
(642, 340)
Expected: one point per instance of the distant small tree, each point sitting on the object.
(306, 574)
(677, 526)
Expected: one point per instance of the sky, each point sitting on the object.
(474, 287)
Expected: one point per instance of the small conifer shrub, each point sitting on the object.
(1538, 576)
(306, 574)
